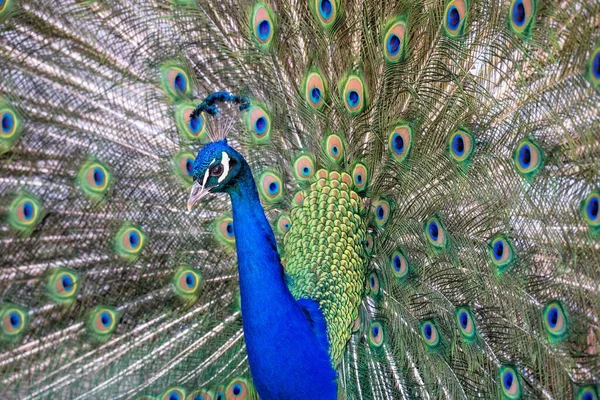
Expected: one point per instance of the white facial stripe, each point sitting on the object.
(205, 178)
(225, 164)
(212, 162)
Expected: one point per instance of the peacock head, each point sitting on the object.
(215, 170)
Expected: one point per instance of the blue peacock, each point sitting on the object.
(385, 199)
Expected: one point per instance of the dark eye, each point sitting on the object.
(216, 170)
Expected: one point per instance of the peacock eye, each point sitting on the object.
(217, 170)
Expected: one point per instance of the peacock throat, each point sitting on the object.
(325, 251)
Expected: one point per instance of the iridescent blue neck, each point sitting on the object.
(286, 340)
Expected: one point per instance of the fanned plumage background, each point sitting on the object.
(107, 84)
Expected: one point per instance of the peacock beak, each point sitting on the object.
(198, 192)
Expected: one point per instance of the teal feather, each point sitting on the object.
(95, 139)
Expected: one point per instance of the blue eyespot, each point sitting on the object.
(428, 331)
(519, 13)
(593, 208)
(264, 29)
(260, 125)
(273, 188)
(353, 98)
(315, 95)
(189, 167)
(453, 18)
(552, 317)
(15, 320)
(458, 145)
(434, 230)
(498, 250)
(393, 44)
(397, 263)
(195, 124)
(199, 397)
(134, 239)
(7, 123)
(398, 143)
(229, 229)
(325, 8)
(334, 150)
(27, 210)
(174, 396)
(508, 380)
(525, 156)
(237, 389)
(380, 212)
(105, 319)
(596, 67)
(98, 176)
(190, 279)
(359, 178)
(180, 83)
(67, 283)
(375, 330)
(464, 319)
(588, 396)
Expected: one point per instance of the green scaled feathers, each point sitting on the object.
(330, 215)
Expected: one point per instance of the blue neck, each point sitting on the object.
(286, 340)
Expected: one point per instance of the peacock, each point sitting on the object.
(299, 199)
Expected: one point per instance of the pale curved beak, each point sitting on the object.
(198, 192)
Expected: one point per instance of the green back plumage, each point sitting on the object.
(465, 268)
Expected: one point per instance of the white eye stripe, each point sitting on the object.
(225, 163)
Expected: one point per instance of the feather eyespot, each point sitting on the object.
(102, 321)
(238, 389)
(587, 393)
(327, 11)
(528, 158)
(224, 231)
(94, 179)
(435, 233)
(24, 213)
(129, 241)
(555, 321)
(263, 28)
(590, 210)
(360, 177)
(220, 396)
(314, 90)
(174, 393)
(521, 15)
(511, 388)
(271, 186)
(376, 334)
(394, 41)
(10, 124)
(430, 334)
(382, 212)
(259, 124)
(334, 146)
(400, 141)
(283, 224)
(369, 243)
(455, 17)
(186, 282)
(304, 167)
(63, 285)
(175, 81)
(373, 284)
(184, 166)
(594, 68)
(501, 252)
(399, 264)
(190, 128)
(354, 94)
(466, 324)
(14, 321)
(200, 395)
(299, 198)
(461, 146)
